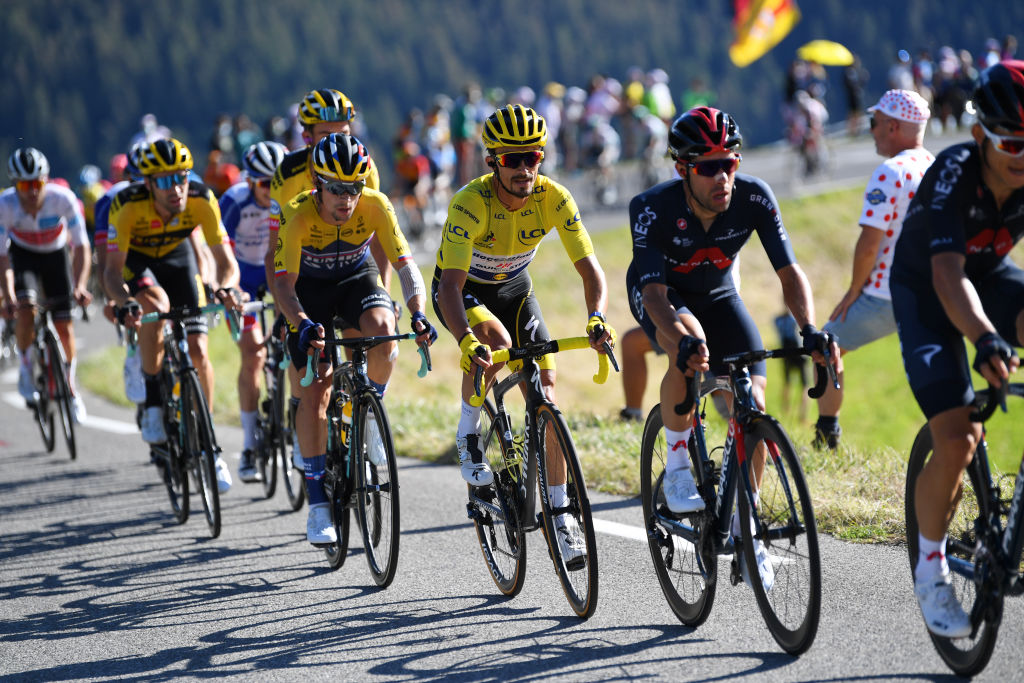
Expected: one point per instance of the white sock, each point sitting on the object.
(469, 421)
(558, 495)
(931, 559)
(736, 515)
(248, 429)
(72, 374)
(677, 457)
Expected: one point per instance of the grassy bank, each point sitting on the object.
(857, 492)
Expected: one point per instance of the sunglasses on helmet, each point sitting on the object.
(166, 182)
(341, 189)
(26, 185)
(712, 167)
(516, 159)
(1006, 144)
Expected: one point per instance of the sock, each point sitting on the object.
(735, 531)
(72, 373)
(828, 423)
(632, 412)
(314, 479)
(381, 388)
(931, 559)
(248, 418)
(559, 495)
(469, 421)
(26, 358)
(677, 457)
(152, 390)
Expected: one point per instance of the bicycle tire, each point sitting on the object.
(293, 478)
(791, 605)
(62, 392)
(268, 453)
(44, 405)
(201, 445)
(965, 656)
(377, 492)
(578, 576)
(688, 579)
(338, 495)
(501, 536)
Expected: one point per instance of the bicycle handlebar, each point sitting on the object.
(604, 360)
(313, 369)
(996, 398)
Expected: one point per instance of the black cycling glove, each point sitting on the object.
(131, 306)
(815, 339)
(307, 333)
(418, 316)
(688, 346)
(988, 345)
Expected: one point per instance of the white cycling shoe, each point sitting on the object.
(475, 471)
(319, 527)
(942, 612)
(681, 494)
(570, 542)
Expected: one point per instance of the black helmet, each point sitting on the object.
(999, 98)
(701, 131)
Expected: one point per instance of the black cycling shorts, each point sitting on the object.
(934, 355)
(512, 303)
(324, 300)
(177, 274)
(728, 327)
(48, 272)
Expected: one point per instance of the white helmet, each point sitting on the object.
(27, 163)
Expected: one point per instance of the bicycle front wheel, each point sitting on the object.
(377, 491)
(568, 524)
(787, 582)
(201, 448)
(501, 537)
(271, 446)
(62, 392)
(174, 474)
(965, 656)
(687, 578)
(44, 407)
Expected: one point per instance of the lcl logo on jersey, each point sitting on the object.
(681, 224)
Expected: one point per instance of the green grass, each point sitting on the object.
(857, 492)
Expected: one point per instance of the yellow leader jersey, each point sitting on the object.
(493, 244)
(311, 247)
(136, 226)
(295, 175)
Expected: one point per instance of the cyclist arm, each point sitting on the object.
(864, 256)
(81, 262)
(796, 291)
(665, 318)
(8, 282)
(595, 291)
(113, 277)
(226, 266)
(381, 259)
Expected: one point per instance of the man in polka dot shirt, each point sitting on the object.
(865, 312)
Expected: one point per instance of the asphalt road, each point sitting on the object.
(97, 581)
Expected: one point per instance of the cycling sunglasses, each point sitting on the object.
(711, 168)
(260, 182)
(26, 185)
(516, 159)
(1010, 145)
(341, 189)
(166, 182)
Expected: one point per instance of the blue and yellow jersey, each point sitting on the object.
(294, 175)
(136, 226)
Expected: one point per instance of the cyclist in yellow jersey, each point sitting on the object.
(151, 266)
(482, 291)
(323, 270)
(321, 113)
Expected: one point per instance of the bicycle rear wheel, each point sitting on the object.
(965, 656)
(377, 492)
(501, 536)
(338, 495)
(271, 444)
(687, 578)
(790, 601)
(44, 406)
(174, 474)
(201, 448)
(62, 392)
(293, 478)
(577, 565)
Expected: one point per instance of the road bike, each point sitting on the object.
(773, 497)
(361, 471)
(191, 449)
(275, 418)
(538, 456)
(8, 344)
(54, 401)
(986, 537)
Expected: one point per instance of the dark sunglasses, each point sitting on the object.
(711, 168)
(260, 182)
(26, 185)
(1010, 145)
(166, 182)
(341, 189)
(516, 159)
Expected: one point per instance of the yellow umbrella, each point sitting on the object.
(826, 52)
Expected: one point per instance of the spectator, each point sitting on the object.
(855, 78)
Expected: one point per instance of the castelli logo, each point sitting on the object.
(681, 224)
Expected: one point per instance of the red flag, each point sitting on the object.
(760, 25)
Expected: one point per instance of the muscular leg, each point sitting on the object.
(634, 345)
(380, 362)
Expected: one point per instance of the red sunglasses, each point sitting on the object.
(516, 159)
(711, 168)
(26, 185)
(1011, 145)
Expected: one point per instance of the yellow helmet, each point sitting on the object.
(515, 126)
(341, 157)
(164, 156)
(325, 105)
